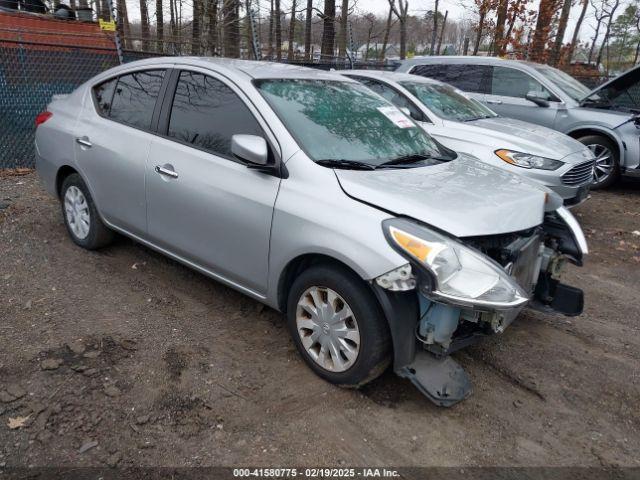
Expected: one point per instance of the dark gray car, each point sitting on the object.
(604, 119)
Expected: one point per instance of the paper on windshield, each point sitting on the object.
(398, 118)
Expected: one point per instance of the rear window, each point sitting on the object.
(135, 98)
(468, 78)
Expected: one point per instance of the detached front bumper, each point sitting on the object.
(425, 330)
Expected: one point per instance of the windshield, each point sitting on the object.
(345, 121)
(447, 102)
(564, 82)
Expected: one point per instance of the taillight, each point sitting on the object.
(43, 117)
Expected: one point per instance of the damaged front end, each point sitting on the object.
(453, 292)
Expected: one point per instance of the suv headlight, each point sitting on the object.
(459, 274)
(526, 160)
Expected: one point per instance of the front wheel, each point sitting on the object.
(607, 166)
(338, 326)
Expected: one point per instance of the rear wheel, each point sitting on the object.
(80, 215)
(338, 326)
(607, 167)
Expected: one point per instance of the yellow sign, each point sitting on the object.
(109, 26)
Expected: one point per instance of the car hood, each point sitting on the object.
(463, 197)
(507, 133)
(618, 84)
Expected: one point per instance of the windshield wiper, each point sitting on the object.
(406, 160)
(346, 164)
(473, 119)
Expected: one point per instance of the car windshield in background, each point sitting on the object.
(565, 82)
(447, 102)
(345, 122)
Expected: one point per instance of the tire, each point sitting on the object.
(372, 341)
(598, 145)
(81, 216)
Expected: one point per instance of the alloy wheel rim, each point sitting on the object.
(328, 329)
(603, 167)
(77, 212)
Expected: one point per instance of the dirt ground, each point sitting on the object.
(123, 357)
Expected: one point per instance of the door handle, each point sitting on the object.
(84, 141)
(166, 171)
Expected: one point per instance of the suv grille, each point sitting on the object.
(581, 173)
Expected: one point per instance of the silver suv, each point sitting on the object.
(604, 119)
(314, 195)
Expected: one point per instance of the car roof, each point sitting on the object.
(392, 76)
(467, 59)
(250, 69)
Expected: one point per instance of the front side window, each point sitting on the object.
(206, 114)
(340, 120)
(447, 102)
(135, 98)
(468, 78)
(510, 82)
(564, 82)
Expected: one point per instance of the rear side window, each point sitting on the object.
(468, 78)
(103, 94)
(135, 98)
(206, 114)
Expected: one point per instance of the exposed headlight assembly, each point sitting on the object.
(458, 274)
(526, 160)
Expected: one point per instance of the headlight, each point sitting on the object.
(526, 160)
(460, 275)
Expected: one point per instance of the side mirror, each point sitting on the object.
(406, 111)
(537, 99)
(250, 148)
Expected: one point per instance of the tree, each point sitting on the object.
(402, 13)
(292, 29)
(538, 50)
(307, 30)
(159, 27)
(498, 37)
(610, 12)
(554, 58)
(370, 18)
(328, 28)
(600, 16)
(484, 6)
(124, 29)
(231, 28)
(144, 25)
(444, 24)
(435, 29)
(212, 15)
(195, 27)
(278, 25)
(576, 31)
(387, 31)
(342, 34)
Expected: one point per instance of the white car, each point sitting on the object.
(465, 125)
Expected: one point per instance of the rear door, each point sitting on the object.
(507, 91)
(472, 79)
(203, 204)
(112, 145)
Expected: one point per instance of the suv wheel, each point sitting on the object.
(338, 326)
(80, 215)
(607, 169)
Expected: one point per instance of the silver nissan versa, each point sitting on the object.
(317, 197)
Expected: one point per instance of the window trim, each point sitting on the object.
(156, 107)
(164, 115)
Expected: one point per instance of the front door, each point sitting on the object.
(202, 204)
(506, 97)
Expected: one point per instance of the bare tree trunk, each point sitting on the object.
(635, 58)
(123, 22)
(444, 24)
(292, 29)
(342, 38)
(538, 47)
(144, 25)
(328, 28)
(476, 45)
(159, 27)
(499, 37)
(278, 25)
(435, 29)
(607, 32)
(387, 30)
(270, 37)
(556, 51)
(195, 27)
(231, 28)
(212, 14)
(576, 31)
(307, 30)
